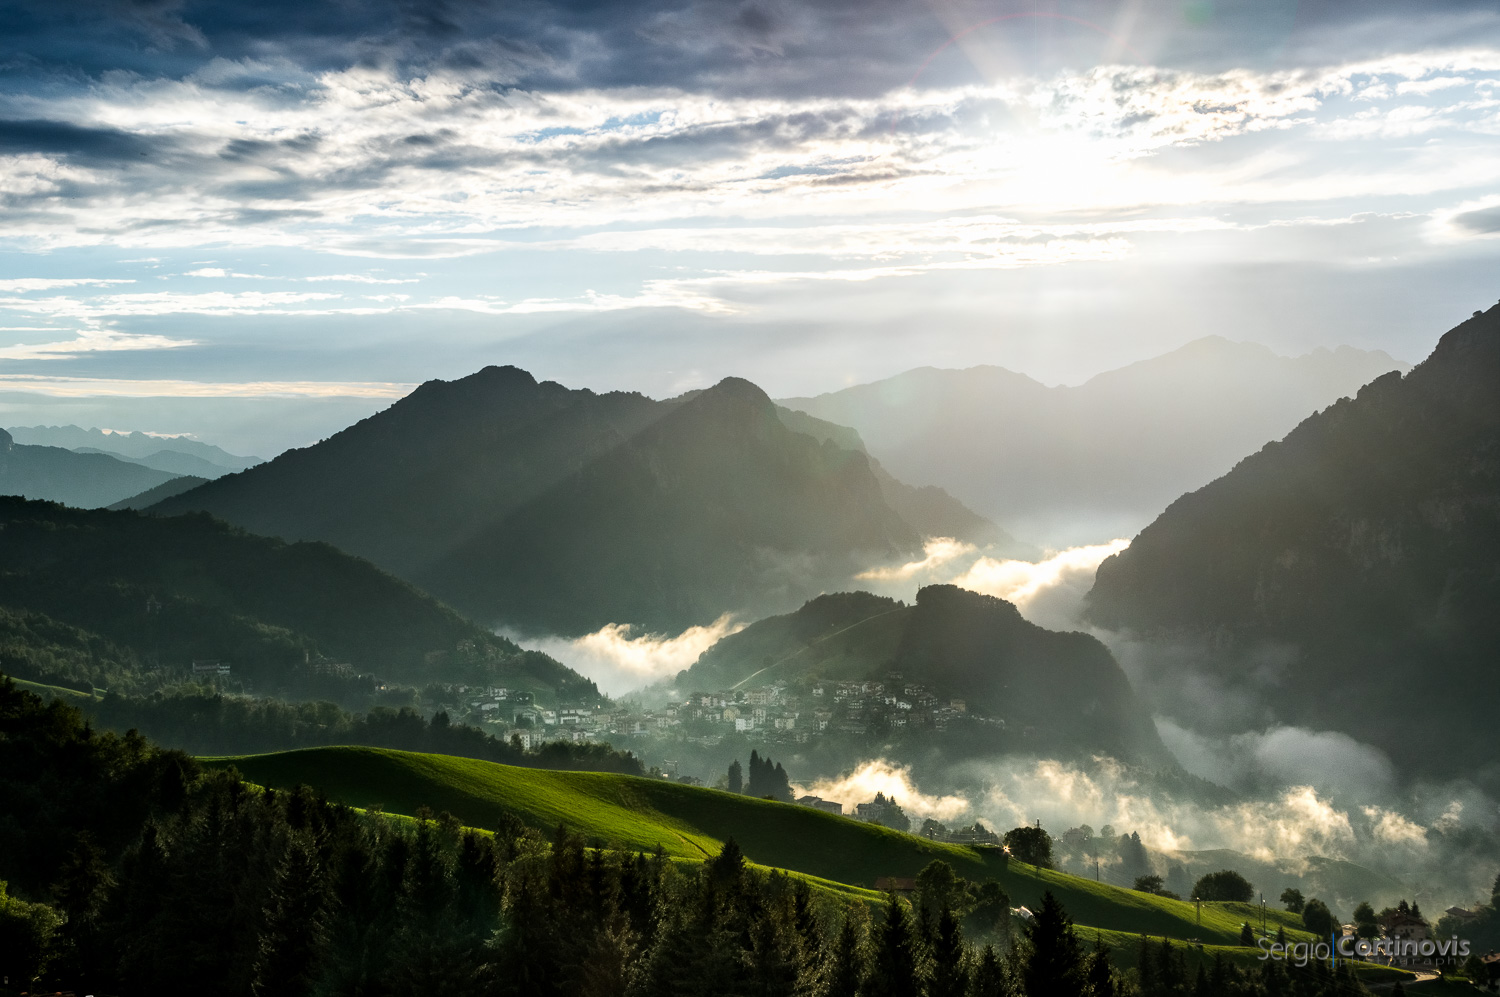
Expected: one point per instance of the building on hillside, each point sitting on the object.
(217, 668)
(1404, 926)
(975, 835)
(1461, 913)
(895, 884)
(818, 803)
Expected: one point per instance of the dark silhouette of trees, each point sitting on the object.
(1293, 900)
(1031, 845)
(1317, 918)
(1224, 885)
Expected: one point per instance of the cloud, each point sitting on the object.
(1282, 755)
(895, 781)
(1048, 592)
(621, 660)
(23, 284)
(94, 341)
(100, 387)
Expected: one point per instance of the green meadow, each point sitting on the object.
(692, 823)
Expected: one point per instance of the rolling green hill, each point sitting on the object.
(689, 822)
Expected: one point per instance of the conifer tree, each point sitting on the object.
(892, 969)
(1099, 975)
(949, 976)
(736, 777)
(294, 935)
(845, 962)
(989, 975)
(1054, 966)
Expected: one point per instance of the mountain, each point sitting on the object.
(77, 479)
(1055, 691)
(1071, 465)
(543, 508)
(152, 594)
(1350, 572)
(156, 450)
(170, 461)
(716, 506)
(166, 490)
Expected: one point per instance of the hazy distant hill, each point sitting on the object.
(1069, 465)
(1056, 691)
(84, 480)
(151, 496)
(165, 591)
(165, 453)
(541, 507)
(1366, 547)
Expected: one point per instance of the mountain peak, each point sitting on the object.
(6, 441)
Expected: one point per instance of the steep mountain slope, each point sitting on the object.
(84, 480)
(715, 506)
(538, 507)
(165, 591)
(137, 446)
(1366, 546)
(1070, 465)
(1055, 691)
(151, 496)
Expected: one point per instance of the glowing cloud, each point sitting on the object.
(620, 661)
(881, 776)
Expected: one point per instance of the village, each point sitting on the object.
(776, 715)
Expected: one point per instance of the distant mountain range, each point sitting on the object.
(177, 454)
(111, 597)
(90, 469)
(1059, 692)
(1070, 465)
(1349, 575)
(548, 509)
(86, 480)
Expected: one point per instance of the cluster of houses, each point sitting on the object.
(775, 715)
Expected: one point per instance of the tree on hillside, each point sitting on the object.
(1247, 934)
(1055, 964)
(991, 911)
(939, 888)
(892, 968)
(950, 974)
(1365, 924)
(1495, 893)
(768, 779)
(1133, 858)
(736, 777)
(1317, 918)
(1031, 845)
(1224, 885)
(1154, 885)
(1293, 900)
(989, 976)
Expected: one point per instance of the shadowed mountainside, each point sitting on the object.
(542, 508)
(1366, 546)
(1055, 691)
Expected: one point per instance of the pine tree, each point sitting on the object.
(892, 970)
(1495, 893)
(736, 777)
(989, 975)
(845, 962)
(1247, 935)
(949, 976)
(755, 784)
(608, 967)
(1099, 974)
(1055, 964)
(294, 938)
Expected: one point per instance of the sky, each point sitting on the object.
(257, 223)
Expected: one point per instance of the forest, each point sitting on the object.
(130, 869)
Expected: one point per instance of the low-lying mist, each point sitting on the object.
(1432, 844)
(621, 661)
(1048, 592)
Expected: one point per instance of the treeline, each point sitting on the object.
(768, 780)
(136, 872)
(201, 722)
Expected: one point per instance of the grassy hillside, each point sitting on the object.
(690, 822)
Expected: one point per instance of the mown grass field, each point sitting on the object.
(693, 823)
(49, 691)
